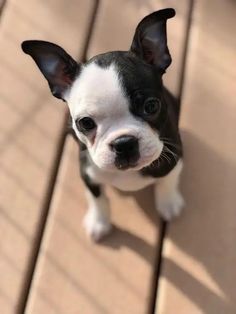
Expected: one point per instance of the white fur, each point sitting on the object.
(169, 201)
(98, 93)
(97, 219)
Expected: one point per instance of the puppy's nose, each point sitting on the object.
(124, 145)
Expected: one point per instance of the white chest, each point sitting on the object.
(124, 181)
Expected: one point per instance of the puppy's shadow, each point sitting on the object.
(120, 237)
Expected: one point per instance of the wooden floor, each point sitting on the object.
(47, 264)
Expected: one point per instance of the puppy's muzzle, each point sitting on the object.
(126, 148)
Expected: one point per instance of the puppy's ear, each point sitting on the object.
(150, 42)
(57, 66)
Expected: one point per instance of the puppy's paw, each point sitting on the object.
(171, 206)
(96, 227)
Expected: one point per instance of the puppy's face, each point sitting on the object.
(115, 99)
(116, 106)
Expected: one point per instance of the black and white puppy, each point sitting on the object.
(125, 119)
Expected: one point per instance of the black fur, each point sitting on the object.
(169, 133)
(150, 40)
(94, 188)
(59, 68)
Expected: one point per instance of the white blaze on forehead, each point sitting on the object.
(97, 91)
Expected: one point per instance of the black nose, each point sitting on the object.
(125, 145)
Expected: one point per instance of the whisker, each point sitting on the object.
(171, 144)
(168, 141)
(166, 157)
(172, 153)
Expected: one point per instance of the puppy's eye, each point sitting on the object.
(85, 124)
(151, 106)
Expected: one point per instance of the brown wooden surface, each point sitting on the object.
(78, 276)
(30, 128)
(199, 252)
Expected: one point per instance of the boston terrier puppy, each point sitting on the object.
(126, 121)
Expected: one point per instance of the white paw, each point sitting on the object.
(171, 207)
(96, 227)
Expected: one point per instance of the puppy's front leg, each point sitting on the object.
(97, 219)
(169, 201)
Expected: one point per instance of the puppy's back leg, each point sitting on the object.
(169, 201)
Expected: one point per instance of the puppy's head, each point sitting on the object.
(116, 98)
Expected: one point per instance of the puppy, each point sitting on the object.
(124, 118)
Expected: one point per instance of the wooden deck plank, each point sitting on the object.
(94, 278)
(199, 257)
(73, 275)
(30, 124)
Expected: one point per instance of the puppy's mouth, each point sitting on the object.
(124, 165)
(127, 162)
(136, 164)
